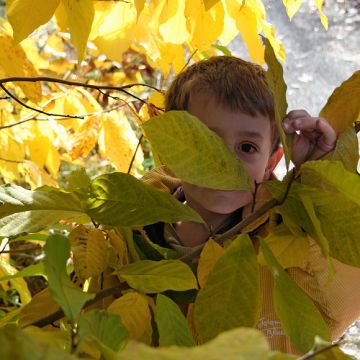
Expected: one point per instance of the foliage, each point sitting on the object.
(126, 295)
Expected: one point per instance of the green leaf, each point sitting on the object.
(340, 224)
(31, 270)
(223, 49)
(343, 106)
(277, 85)
(318, 234)
(157, 276)
(23, 210)
(172, 325)
(16, 344)
(104, 327)
(121, 199)
(300, 318)
(332, 176)
(69, 297)
(194, 153)
(231, 295)
(237, 344)
(347, 150)
(79, 181)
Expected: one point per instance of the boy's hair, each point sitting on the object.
(234, 83)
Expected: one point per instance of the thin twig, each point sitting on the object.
(187, 63)
(76, 83)
(5, 98)
(64, 118)
(34, 109)
(311, 354)
(11, 161)
(135, 152)
(57, 315)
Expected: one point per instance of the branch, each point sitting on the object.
(11, 161)
(135, 152)
(64, 118)
(80, 84)
(34, 109)
(57, 315)
(235, 230)
(312, 353)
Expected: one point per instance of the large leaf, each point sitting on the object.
(289, 249)
(121, 199)
(103, 327)
(347, 149)
(18, 11)
(277, 85)
(31, 270)
(171, 323)
(209, 256)
(134, 310)
(340, 224)
(343, 106)
(30, 211)
(332, 176)
(16, 344)
(195, 153)
(237, 344)
(157, 276)
(231, 295)
(300, 318)
(70, 298)
(90, 251)
(80, 15)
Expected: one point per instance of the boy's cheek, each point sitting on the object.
(217, 201)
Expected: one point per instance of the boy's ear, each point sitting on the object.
(274, 159)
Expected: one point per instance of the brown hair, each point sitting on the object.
(235, 83)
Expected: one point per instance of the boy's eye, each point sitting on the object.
(246, 148)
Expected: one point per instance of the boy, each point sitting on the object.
(232, 98)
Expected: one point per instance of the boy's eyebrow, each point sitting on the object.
(247, 133)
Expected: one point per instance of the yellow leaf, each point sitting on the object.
(42, 151)
(210, 254)
(323, 18)
(205, 26)
(230, 30)
(115, 34)
(61, 17)
(36, 176)
(289, 249)
(18, 283)
(80, 15)
(89, 248)
(172, 22)
(27, 15)
(34, 311)
(85, 138)
(117, 141)
(292, 6)
(12, 153)
(13, 62)
(268, 29)
(133, 308)
(247, 24)
(119, 244)
(139, 4)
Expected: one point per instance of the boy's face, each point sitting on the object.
(249, 137)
